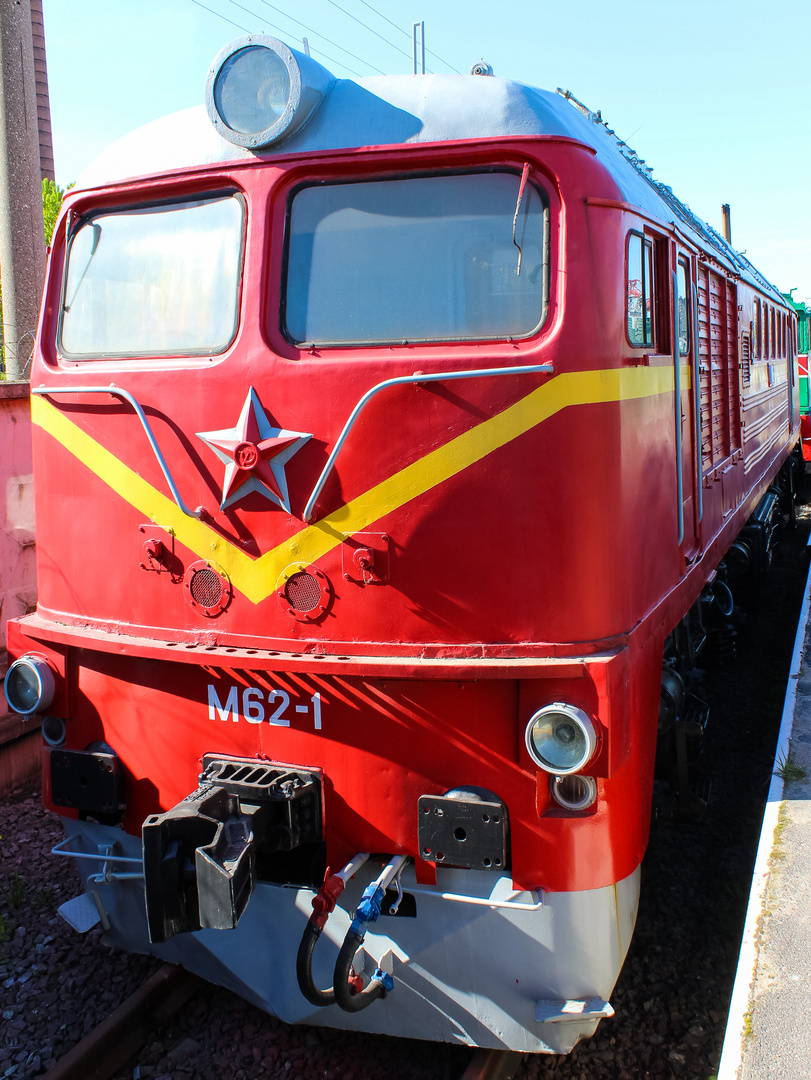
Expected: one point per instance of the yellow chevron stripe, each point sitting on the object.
(256, 578)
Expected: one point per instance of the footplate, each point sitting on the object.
(464, 828)
(200, 856)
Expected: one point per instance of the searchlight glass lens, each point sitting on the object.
(252, 90)
(561, 739)
(29, 685)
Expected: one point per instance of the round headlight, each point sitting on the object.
(29, 685)
(561, 739)
(252, 89)
(258, 91)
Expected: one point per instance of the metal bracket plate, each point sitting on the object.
(463, 830)
(156, 551)
(91, 782)
(365, 558)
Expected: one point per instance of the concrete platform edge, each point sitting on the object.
(735, 1038)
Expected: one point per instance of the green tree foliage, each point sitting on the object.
(51, 202)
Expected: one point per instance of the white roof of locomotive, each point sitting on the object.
(404, 109)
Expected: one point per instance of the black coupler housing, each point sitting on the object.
(200, 856)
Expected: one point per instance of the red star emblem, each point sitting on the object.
(255, 454)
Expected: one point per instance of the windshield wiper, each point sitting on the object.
(96, 237)
(524, 175)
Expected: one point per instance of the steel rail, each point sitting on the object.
(493, 1065)
(103, 1051)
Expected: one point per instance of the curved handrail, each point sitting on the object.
(677, 405)
(125, 395)
(508, 903)
(544, 369)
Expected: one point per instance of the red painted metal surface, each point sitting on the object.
(546, 568)
(805, 431)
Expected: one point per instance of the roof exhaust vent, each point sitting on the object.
(727, 223)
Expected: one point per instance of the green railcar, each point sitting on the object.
(803, 315)
(803, 312)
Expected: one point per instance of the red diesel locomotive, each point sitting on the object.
(389, 435)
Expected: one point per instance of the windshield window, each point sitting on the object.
(422, 259)
(154, 281)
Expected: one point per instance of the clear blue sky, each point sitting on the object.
(715, 95)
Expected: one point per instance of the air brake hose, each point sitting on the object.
(304, 966)
(323, 905)
(347, 994)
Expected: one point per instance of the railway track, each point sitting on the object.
(110, 1045)
(493, 1065)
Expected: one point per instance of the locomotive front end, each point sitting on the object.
(350, 695)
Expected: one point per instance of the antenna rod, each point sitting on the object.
(421, 26)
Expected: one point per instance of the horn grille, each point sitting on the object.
(207, 587)
(303, 592)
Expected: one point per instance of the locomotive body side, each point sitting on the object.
(417, 501)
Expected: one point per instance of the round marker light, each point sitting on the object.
(29, 686)
(53, 730)
(561, 739)
(258, 91)
(573, 792)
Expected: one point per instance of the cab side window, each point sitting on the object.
(640, 292)
(683, 301)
